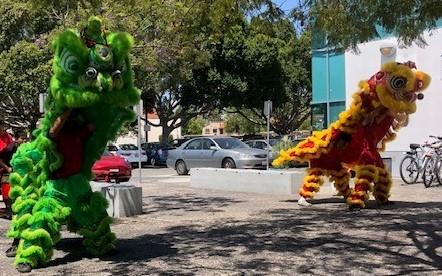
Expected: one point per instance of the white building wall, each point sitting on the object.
(428, 118)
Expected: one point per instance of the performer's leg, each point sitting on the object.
(90, 219)
(341, 181)
(311, 185)
(382, 186)
(98, 238)
(365, 175)
(43, 230)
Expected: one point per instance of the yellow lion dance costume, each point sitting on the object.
(379, 109)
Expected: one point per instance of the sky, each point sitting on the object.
(286, 5)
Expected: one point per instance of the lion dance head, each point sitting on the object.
(399, 85)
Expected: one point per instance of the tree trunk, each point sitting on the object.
(166, 130)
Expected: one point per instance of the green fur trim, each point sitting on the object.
(39, 234)
(103, 228)
(21, 206)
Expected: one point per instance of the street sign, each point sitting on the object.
(267, 108)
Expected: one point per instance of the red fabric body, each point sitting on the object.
(361, 149)
(70, 144)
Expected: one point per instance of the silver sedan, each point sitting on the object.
(216, 152)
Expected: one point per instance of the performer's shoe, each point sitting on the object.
(11, 251)
(303, 202)
(24, 268)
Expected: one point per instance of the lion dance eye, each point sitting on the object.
(91, 73)
(116, 74)
(68, 62)
(398, 82)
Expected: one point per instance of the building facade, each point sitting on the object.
(336, 75)
(214, 128)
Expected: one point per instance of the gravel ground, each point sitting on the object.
(186, 231)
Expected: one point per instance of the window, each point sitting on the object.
(112, 148)
(260, 145)
(215, 131)
(207, 131)
(319, 116)
(207, 143)
(230, 143)
(221, 131)
(194, 145)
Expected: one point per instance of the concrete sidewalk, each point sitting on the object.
(185, 231)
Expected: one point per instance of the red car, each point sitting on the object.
(112, 167)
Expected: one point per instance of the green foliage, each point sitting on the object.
(349, 22)
(20, 21)
(24, 73)
(193, 127)
(244, 124)
(284, 144)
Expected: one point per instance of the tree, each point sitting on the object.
(236, 123)
(284, 76)
(24, 73)
(194, 126)
(179, 62)
(349, 22)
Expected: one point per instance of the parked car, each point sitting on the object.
(156, 152)
(217, 152)
(130, 152)
(262, 144)
(112, 167)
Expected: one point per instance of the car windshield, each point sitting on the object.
(230, 143)
(273, 142)
(112, 148)
(128, 147)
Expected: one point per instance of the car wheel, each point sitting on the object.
(181, 167)
(228, 163)
(152, 161)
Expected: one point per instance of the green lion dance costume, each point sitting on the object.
(90, 94)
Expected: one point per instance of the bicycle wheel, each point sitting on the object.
(429, 169)
(409, 169)
(439, 170)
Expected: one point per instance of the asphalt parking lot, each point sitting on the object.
(186, 231)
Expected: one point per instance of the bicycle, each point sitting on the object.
(416, 160)
(432, 163)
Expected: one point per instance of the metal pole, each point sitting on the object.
(268, 140)
(327, 83)
(139, 108)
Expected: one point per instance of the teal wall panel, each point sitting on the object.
(335, 79)
(319, 77)
(337, 76)
(335, 109)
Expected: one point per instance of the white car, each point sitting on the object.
(130, 152)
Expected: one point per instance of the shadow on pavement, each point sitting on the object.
(404, 238)
(186, 202)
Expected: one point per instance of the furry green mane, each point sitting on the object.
(93, 78)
